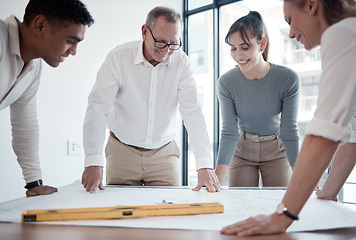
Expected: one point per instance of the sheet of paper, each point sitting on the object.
(238, 205)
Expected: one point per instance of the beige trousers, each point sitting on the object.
(126, 165)
(254, 159)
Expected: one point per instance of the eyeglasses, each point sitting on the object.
(162, 44)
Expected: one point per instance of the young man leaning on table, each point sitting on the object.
(50, 31)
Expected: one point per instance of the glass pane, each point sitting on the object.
(192, 4)
(200, 52)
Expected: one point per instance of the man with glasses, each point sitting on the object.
(137, 93)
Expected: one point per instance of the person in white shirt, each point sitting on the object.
(50, 31)
(136, 95)
(332, 25)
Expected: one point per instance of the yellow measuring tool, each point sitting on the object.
(44, 215)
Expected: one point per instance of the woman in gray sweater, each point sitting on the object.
(259, 106)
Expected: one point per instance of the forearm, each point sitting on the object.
(291, 148)
(220, 171)
(314, 157)
(343, 164)
(25, 138)
(226, 150)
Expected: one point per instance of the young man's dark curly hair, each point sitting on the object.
(58, 12)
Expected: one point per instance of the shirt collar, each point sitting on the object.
(141, 59)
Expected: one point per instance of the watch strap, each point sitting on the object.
(33, 184)
(288, 214)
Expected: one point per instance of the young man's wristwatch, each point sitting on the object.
(281, 208)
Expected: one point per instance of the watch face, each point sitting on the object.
(280, 208)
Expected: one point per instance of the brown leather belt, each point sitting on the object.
(135, 147)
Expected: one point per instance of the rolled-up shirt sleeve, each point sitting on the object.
(353, 130)
(25, 132)
(337, 86)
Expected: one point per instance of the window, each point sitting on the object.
(200, 51)
(206, 24)
(192, 4)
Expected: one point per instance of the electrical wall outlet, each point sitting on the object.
(74, 147)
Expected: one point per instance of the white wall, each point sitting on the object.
(62, 97)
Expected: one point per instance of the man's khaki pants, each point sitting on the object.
(126, 165)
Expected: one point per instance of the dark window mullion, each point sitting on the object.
(216, 62)
(215, 6)
(185, 165)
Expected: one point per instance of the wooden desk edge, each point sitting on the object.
(25, 231)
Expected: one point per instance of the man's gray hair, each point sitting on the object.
(170, 14)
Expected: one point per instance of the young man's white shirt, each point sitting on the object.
(21, 98)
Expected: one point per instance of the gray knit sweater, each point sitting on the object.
(261, 107)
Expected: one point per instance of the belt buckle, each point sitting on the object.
(255, 138)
